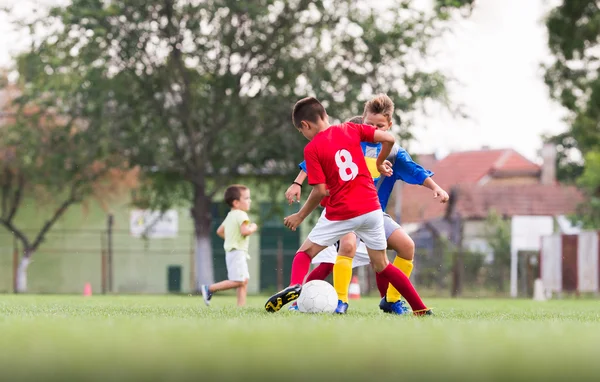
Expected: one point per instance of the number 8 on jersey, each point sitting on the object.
(347, 168)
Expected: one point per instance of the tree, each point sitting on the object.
(200, 92)
(573, 80)
(52, 158)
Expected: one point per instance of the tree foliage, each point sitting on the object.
(573, 80)
(199, 93)
(51, 159)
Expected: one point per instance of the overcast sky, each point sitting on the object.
(495, 57)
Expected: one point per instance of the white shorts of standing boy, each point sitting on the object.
(237, 265)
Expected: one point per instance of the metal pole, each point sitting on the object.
(279, 263)
(192, 262)
(110, 251)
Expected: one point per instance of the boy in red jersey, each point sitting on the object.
(336, 165)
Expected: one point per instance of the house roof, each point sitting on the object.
(472, 166)
(467, 167)
(474, 202)
(426, 160)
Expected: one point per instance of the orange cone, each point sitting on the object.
(354, 290)
(87, 289)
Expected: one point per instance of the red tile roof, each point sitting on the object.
(474, 202)
(468, 167)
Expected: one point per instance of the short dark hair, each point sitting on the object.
(233, 193)
(356, 119)
(307, 109)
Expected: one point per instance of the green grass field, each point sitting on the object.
(171, 338)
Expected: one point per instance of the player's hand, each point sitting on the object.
(440, 193)
(253, 227)
(293, 221)
(385, 168)
(293, 193)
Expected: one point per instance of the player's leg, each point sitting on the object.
(342, 271)
(237, 275)
(324, 234)
(300, 267)
(373, 234)
(325, 261)
(382, 285)
(242, 292)
(399, 241)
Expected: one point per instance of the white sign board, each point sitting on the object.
(153, 224)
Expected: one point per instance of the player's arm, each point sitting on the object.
(368, 133)
(407, 170)
(248, 228)
(316, 178)
(301, 177)
(292, 194)
(221, 231)
(317, 194)
(437, 190)
(387, 143)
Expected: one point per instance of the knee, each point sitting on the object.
(379, 263)
(407, 249)
(347, 249)
(410, 249)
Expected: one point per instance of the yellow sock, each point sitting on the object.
(342, 274)
(406, 266)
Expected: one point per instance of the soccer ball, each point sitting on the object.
(317, 296)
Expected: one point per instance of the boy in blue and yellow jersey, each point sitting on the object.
(346, 255)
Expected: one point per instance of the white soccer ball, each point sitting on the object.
(317, 296)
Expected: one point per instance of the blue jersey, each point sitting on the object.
(403, 166)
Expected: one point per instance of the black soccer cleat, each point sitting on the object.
(278, 300)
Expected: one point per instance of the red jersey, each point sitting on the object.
(335, 157)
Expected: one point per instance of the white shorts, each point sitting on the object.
(329, 255)
(389, 225)
(237, 265)
(368, 227)
(361, 257)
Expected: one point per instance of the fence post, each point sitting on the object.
(103, 262)
(279, 263)
(458, 259)
(192, 262)
(109, 233)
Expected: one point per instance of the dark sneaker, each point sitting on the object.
(385, 306)
(278, 300)
(206, 294)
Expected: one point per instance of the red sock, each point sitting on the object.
(300, 267)
(404, 286)
(320, 272)
(382, 284)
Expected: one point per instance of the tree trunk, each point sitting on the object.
(201, 213)
(21, 282)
